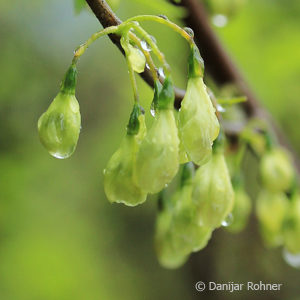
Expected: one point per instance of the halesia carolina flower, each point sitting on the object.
(271, 209)
(119, 184)
(198, 124)
(276, 170)
(241, 210)
(135, 56)
(59, 126)
(291, 229)
(178, 233)
(157, 160)
(213, 192)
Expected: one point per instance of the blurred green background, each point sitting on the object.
(60, 238)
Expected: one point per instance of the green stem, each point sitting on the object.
(82, 48)
(166, 22)
(152, 45)
(147, 55)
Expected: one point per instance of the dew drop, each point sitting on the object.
(161, 72)
(189, 31)
(228, 220)
(152, 111)
(145, 46)
(291, 259)
(147, 66)
(220, 108)
(60, 155)
(153, 39)
(219, 20)
(163, 17)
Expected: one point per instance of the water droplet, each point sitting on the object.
(60, 155)
(163, 17)
(161, 72)
(219, 20)
(145, 46)
(147, 66)
(189, 31)
(152, 110)
(220, 108)
(136, 23)
(153, 39)
(291, 259)
(228, 220)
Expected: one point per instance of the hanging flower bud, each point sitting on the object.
(134, 55)
(157, 159)
(178, 233)
(276, 170)
(291, 228)
(119, 184)
(198, 124)
(241, 210)
(59, 126)
(213, 193)
(271, 209)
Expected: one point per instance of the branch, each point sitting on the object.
(107, 18)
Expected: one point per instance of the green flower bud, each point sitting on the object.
(157, 159)
(59, 126)
(241, 210)
(276, 170)
(134, 55)
(213, 193)
(119, 184)
(196, 63)
(271, 209)
(198, 124)
(291, 228)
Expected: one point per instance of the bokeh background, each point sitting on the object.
(60, 239)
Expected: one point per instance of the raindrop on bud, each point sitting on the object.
(189, 31)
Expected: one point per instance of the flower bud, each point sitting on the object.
(291, 228)
(213, 193)
(276, 170)
(271, 208)
(198, 124)
(119, 184)
(135, 56)
(59, 126)
(157, 160)
(241, 210)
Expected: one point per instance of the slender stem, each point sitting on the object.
(82, 48)
(152, 44)
(148, 57)
(164, 21)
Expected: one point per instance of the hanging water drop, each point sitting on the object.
(161, 72)
(220, 108)
(145, 46)
(228, 221)
(189, 31)
(152, 109)
(291, 259)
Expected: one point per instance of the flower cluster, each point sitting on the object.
(187, 142)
